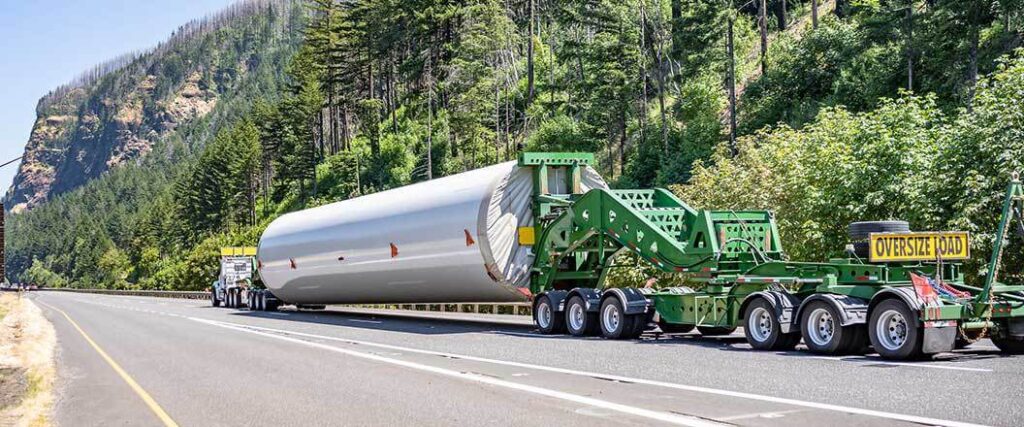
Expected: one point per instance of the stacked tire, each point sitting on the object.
(860, 232)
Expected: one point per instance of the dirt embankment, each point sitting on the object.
(27, 371)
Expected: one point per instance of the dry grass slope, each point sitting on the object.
(27, 369)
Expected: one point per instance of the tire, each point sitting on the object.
(261, 302)
(715, 331)
(674, 328)
(213, 299)
(1009, 344)
(551, 323)
(860, 342)
(821, 330)
(640, 322)
(889, 338)
(578, 321)
(860, 231)
(271, 305)
(615, 324)
(763, 330)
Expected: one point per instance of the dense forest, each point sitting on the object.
(823, 111)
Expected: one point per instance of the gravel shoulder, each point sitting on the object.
(27, 343)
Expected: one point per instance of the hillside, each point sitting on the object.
(872, 111)
(118, 112)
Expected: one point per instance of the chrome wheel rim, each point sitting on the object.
(543, 315)
(759, 324)
(821, 327)
(891, 330)
(576, 315)
(612, 318)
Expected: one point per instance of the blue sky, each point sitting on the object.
(45, 43)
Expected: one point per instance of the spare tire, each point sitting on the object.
(860, 231)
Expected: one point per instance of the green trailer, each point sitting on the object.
(902, 293)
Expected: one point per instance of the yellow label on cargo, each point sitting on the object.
(893, 247)
(526, 236)
(238, 251)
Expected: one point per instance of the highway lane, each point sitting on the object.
(208, 366)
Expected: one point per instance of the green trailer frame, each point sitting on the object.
(736, 262)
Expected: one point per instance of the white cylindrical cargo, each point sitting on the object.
(452, 239)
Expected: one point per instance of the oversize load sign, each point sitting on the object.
(890, 247)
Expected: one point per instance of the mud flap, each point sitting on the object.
(557, 300)
(633, 300)
(938, 339)
(591, 296)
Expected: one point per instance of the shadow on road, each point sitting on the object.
(441, 326)
(391, 323)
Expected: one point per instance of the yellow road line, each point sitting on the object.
(150, 402)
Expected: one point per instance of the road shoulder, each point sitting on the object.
(27, 370)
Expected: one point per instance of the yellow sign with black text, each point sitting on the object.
(896, 247)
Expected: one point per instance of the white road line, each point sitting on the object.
(868, 361)
(696, 389)
(522, 334)
(575, 398)
(776, 414)
(364, 321)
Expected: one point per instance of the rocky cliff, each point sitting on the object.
(119, 111)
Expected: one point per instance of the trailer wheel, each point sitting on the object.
(674, 328)
(763, 330)
(893, 331)
(859, 343)
(261, 301)
(714, 331)
(213, 299)
(546, 318)
(1009, 344)
(577, 320)
(822, 331)
(640, 322)
(615, 324)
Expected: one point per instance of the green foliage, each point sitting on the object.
(377, 90)
(904, 160)
(41, 275)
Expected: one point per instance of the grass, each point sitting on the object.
(27, 343)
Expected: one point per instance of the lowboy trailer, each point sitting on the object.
(548, 229)
(907, 299)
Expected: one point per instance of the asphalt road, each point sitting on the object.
(204, 366)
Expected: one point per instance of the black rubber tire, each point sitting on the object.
(860, 342)
(272, 306)
(715, 331)
(213, 299)
(776, 340)
(556, 325)
(911, 348)
(859, 231)
(624, 329)
(1009, 344)
(842, 337)
(674, 328)
(590, 325)
(640, 323)
(261, 301)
